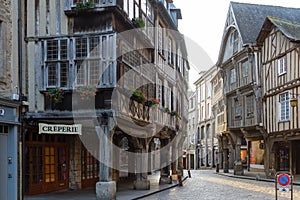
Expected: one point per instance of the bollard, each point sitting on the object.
(189, 173)
(217, 168)
(179, 180)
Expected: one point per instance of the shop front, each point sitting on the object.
(56, 159)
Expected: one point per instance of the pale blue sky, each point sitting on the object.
(203, 22)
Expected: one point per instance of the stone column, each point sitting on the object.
(238, 166)
(105, 188)
(225, 160)
(180, 163)
(141, 183)
(174, 163)
(164, 163)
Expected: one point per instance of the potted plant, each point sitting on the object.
(86, 92)
(151, 102)
(55, 96)
(138, 22)
(174, 113)
(85, 5)
(139, 96)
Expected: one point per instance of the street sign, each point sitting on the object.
(285, 182)
(283, 179)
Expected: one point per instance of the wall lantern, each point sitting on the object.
(293, 101)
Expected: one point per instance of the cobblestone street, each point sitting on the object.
(206, 184)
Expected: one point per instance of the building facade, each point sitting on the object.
(279, 43)
(239, 60)
(190, 143)
(103, 74)
(207, 144)
(10, 90)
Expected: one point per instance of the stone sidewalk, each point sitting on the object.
(125, 191)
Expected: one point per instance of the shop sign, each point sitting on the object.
(59, 129)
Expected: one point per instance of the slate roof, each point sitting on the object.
(250, 18)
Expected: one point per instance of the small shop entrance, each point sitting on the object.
(46, 163)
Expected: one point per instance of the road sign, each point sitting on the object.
(285, 182)
(283, 179)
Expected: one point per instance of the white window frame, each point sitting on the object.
(284, 106)
(281, 64)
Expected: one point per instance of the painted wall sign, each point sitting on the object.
(59, 129)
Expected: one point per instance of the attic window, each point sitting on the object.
(235, 41)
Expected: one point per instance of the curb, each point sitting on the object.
(251, 178)
(160, 190)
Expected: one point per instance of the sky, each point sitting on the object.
(203, 23)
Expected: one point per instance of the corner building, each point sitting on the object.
(82, 67)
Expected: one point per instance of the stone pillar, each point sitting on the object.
(142, 168)
(105, 188)
(238, 166)
(164, 163)
(174, 163)
(225, 160)
(131, 165)
(180, 163)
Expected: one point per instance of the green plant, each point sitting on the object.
(167, 110)
(174, 113)
(55, 95)
(151, 102)
(138, 96)
(140, 22)
(85, 5)
(86, 92)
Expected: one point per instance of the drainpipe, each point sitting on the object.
(20, 74)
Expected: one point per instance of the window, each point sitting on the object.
(57, 64)
(244, 68)
(233, 76)
(250, 104)
(87, 70)
(203, 92)
(159, 91)
(238, 110)
(160, 39)
(170, 54)
(284, 100)
(235, 41)
(281, 63)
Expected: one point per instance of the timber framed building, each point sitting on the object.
(80, 67)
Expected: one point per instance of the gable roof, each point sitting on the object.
(250, 17)
(289, 29)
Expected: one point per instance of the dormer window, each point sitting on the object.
(235, 41)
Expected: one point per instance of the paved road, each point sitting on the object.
(206, 185)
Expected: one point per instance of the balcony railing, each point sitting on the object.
(71, 4)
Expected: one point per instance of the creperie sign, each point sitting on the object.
(60, 129)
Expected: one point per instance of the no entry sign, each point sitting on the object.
(283, 179)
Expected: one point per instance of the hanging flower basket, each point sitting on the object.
(87, 92)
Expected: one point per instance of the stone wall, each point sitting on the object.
(5, 48)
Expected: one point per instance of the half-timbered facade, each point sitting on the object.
(280, 71)
(239, 60)
(103, 73)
